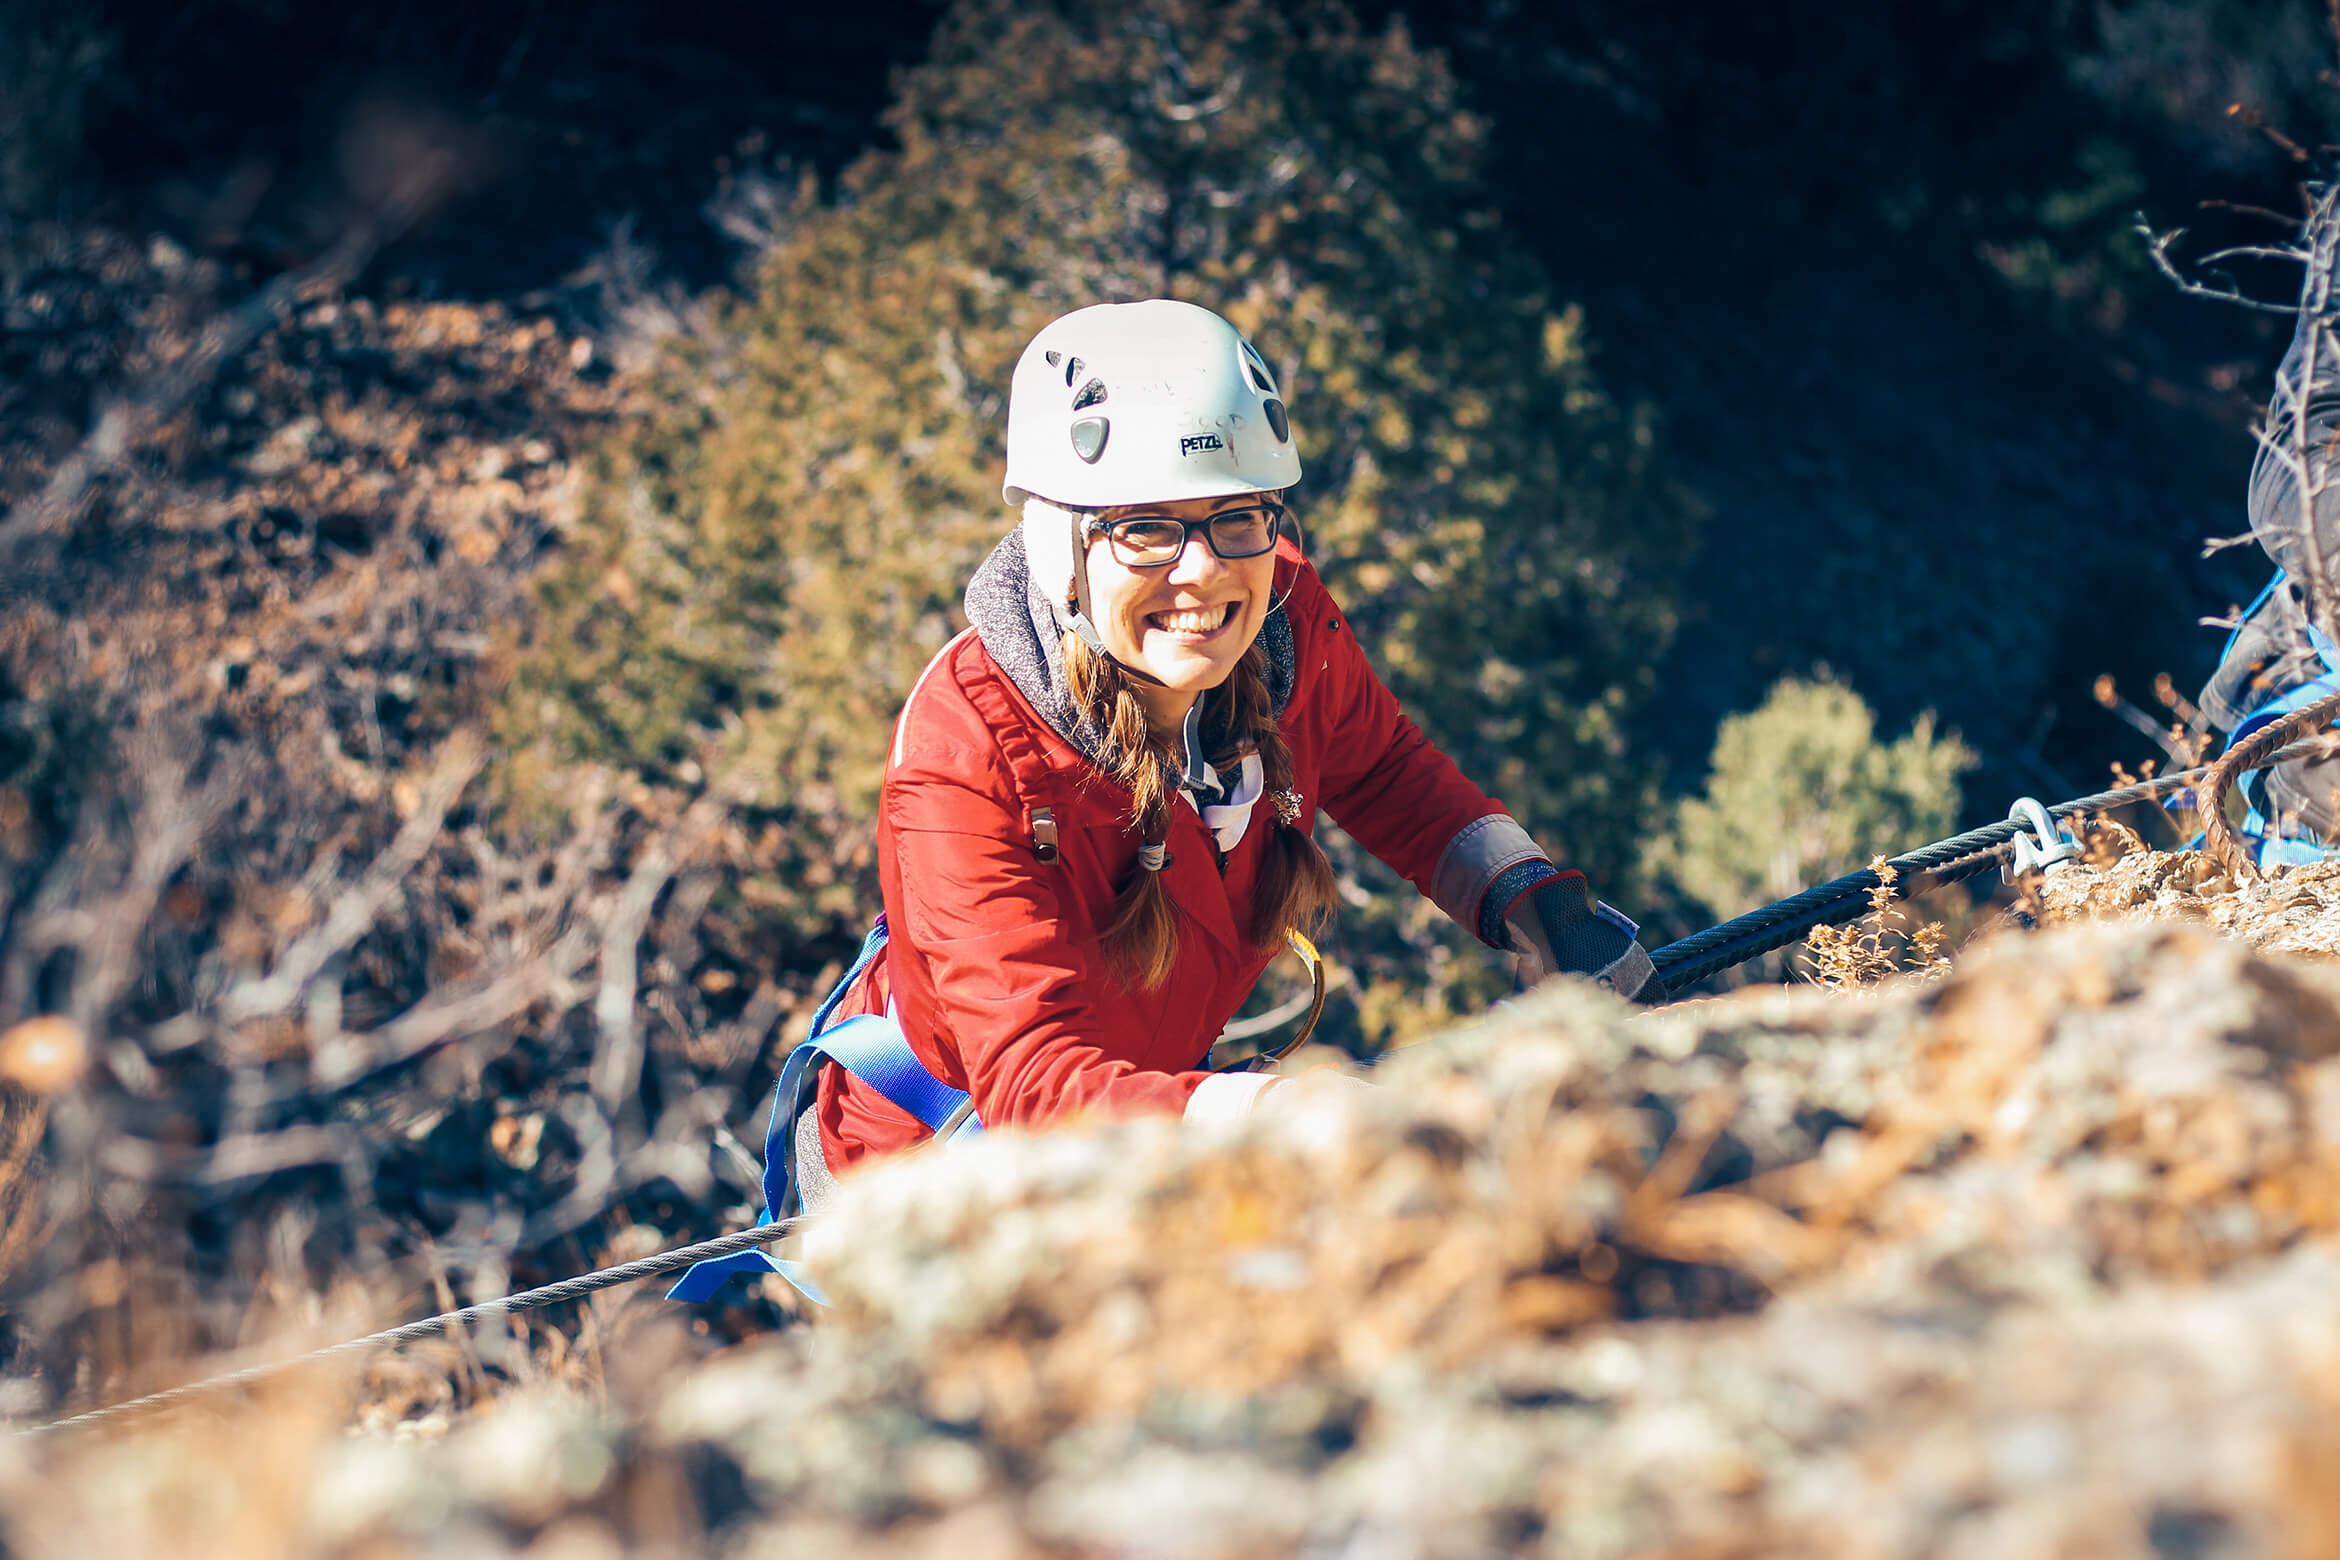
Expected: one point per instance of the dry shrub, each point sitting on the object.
(1878, 945)
(337, 1019)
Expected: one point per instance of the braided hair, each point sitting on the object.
(1295, 889)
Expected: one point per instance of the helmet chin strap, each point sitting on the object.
(1076, 616)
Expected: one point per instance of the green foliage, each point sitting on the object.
(775, 549)
(1801, 790)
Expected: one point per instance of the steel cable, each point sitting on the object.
(1963, 856)
(431, 1326)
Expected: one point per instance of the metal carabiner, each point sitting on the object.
(2044, 847)
(1311, 1003)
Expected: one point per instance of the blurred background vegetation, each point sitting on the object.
(1797, 787)
(1689, 394)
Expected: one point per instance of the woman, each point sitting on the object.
(1095, 826)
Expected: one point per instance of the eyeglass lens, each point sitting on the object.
(1149, 541)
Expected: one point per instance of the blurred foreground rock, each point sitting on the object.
(2034, 1259)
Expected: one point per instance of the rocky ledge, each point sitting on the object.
(2035, 1257)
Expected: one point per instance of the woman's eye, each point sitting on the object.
(1149, 534)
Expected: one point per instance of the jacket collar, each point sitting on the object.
(1012, 617)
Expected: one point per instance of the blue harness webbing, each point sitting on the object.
(872, 1048)
(2276, 847)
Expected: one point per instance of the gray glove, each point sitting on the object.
(1558, 928)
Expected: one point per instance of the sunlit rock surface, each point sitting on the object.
(2036, 1258)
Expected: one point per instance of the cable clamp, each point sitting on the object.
(2044, 848)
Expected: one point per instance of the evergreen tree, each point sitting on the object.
(1802, 790)
(775, 550)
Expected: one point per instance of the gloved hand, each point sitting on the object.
(1557, 928)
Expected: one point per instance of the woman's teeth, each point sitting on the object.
(1192, 620)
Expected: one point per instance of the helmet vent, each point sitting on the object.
(1056, 360)
(1072, 372)
(1255, 369)
(1090, 394)
(1088, 438)
(1277, 421)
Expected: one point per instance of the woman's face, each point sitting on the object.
(1187, 622)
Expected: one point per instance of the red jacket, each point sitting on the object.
(994, 965)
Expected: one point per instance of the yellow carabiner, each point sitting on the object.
(1267, 1021)
(1315, 961)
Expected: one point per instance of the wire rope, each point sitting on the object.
(431, 1326)
(1962, 856)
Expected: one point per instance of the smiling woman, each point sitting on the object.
(1177, 614)
(1081, 879)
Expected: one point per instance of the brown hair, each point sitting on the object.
(1295, 891)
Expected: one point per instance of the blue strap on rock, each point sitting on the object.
(701, 1279)
(872, 1048)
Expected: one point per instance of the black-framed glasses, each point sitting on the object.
(1156, 541)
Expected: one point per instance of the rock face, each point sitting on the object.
(2037, 1258)
(2293, 910)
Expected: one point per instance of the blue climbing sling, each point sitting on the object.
(872, 1048)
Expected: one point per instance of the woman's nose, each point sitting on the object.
(1196, 562)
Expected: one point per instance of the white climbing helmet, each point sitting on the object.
(1134, 403)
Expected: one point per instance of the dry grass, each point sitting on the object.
(1878, 945)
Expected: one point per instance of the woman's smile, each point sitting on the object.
(1192, 625)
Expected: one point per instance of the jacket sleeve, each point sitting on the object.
(1402, 798)
(1006, 973)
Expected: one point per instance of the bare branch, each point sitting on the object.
(2157, 245)
(354, 913)
(2153, 731)
(241, 1158)
(2286, 219)
(2255, 252)
(617, 1063)
(735, 1047)
(166, 828)
(472, 1009)
(597, 1175)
